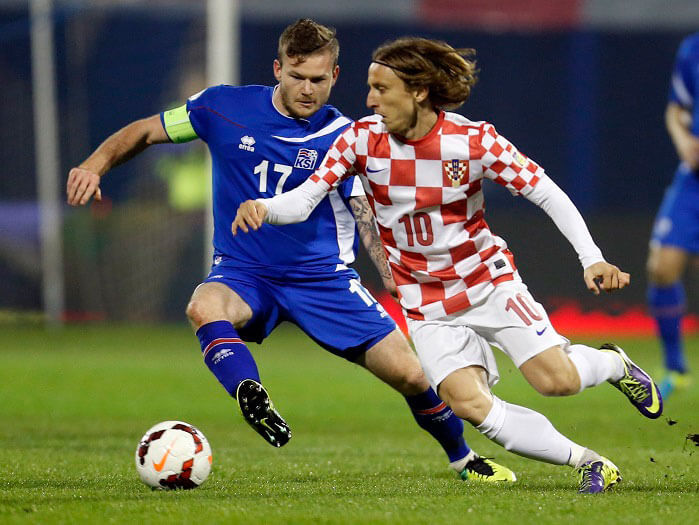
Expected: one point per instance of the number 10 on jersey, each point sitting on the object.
(418, 227)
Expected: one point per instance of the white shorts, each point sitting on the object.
(509, 319)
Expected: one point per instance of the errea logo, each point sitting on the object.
(221, 355)
(247, 143)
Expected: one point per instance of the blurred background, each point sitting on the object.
(578, 85)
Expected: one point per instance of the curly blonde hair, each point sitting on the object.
(448, 73)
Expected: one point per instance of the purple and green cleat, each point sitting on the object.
(597, 476)
(637, 385)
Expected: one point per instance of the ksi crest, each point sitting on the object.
(456, 170)
(306, 159)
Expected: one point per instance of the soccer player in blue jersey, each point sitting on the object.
(675, 237)
(263, 141)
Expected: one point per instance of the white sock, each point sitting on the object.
(594, 366)
(588, 455)
(528, 433)
(460, 465)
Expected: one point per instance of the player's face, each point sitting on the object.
(304, 86)
(390, 97)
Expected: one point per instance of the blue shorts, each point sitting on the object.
(677, 222)
(332, 307)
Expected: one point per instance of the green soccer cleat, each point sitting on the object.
(597, 476)
(637, 385)
(485, 469)
(672, 382)
(259, 413)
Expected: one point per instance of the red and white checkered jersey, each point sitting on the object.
(427, 198)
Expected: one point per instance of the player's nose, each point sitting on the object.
(371, 100)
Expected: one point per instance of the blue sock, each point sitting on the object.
(226, 355)
(667, 305)
(435, 416)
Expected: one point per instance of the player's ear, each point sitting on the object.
(421, 94)
(336, 73)
(277, 68)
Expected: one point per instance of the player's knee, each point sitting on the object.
(665, 267)
(200, 313)
(661, 275)
(194, 312)
(412, 382)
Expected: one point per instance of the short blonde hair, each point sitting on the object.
(306, 37)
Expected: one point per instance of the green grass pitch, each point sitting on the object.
(74, 403)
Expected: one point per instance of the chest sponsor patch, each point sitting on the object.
(456, 170)
(306, 159)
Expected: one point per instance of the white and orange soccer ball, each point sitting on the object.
(173, 455)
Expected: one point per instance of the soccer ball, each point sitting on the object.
(173, 455)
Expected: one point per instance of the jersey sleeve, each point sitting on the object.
(682, 81)
(193, 119)
(351, 187)
(504, 164)
(338, 164)
(557, 205)
(357, 187)
(177, 125)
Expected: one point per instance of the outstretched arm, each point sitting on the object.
(597, 272)
(368, 232)
(296, 205)
(286, 208)
(678, 122)
(83, 180)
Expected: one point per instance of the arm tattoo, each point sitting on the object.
(368, 232)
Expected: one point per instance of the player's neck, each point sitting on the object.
(426, 120)
(278, 103)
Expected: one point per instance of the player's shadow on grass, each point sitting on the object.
(95, 486)
(627, 487)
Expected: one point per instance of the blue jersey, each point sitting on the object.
(677, 222)
(259, 152)
(684, 86)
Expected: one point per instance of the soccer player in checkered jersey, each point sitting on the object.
(422, 169)
(263, 140)
(675, 237)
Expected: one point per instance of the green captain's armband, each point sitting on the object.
(177, 125)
